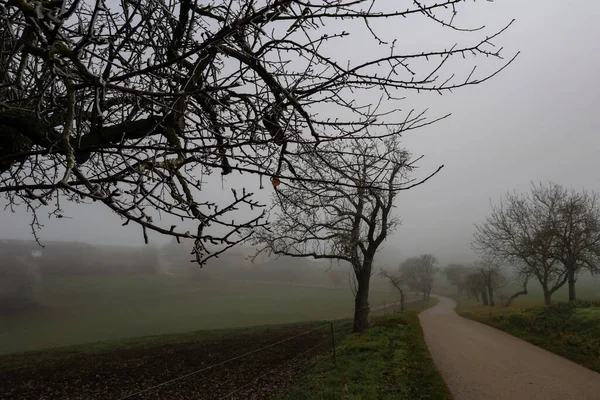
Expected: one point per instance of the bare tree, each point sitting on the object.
(577, 232)
(130, 103)
(551, 234)
(522, 292)
(419, 273)
(475, 287)
(456, 275)
(491, 279)
(397, 283)
(347, 222)
(521, 232)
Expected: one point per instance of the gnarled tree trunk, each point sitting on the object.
(484, 298)
(361, 301)
(547, 297)
(491, 296)
(571, 282)
(521, 293)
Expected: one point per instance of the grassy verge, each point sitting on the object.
(388, 361)
(571, 330)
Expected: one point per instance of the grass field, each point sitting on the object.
(211, 364)
(571, 330)
(88, 309)
(260, 362)
(389, 361)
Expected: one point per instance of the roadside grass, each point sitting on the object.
(388, 361)
(571, 330)
(90, 309)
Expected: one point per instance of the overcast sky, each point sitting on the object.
(536, 121)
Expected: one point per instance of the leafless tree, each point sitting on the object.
(130, 103)
(551, 234)
(577, 231)
(523, 292)
(397, 283)
(475, 287)
(456, 275)
(520, 232)
(347, 222)
(419, 273)
(491, 278)
(483, 280)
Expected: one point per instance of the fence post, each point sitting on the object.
(333, 344)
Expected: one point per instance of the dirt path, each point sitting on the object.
(479, 362)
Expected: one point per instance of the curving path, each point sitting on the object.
(479, 362)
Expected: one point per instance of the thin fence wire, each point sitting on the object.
(273, 370)
(221, 363)
(329, 339)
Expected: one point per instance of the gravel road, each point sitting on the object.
(479, 362)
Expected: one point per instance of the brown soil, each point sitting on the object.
(115, 374)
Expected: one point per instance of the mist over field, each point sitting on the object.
(80, 268)
(77, 292)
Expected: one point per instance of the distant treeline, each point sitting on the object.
(71, 258)
(24, 265)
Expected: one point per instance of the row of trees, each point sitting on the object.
(481, 280)
(551, 235)
(416, 274)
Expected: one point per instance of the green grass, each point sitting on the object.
(388, 361)
(571, 330)
(90, 309)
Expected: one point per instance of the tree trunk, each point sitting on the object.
(484, 298)
(361, 302)
(401, 301)
(477, 297)
(572, 294)
(514, 296)
(491, 297)
(547, 297)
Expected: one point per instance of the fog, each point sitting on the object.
(536, 121)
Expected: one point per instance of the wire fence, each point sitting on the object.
(330, 339)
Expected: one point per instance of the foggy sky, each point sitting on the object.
(536, 121)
